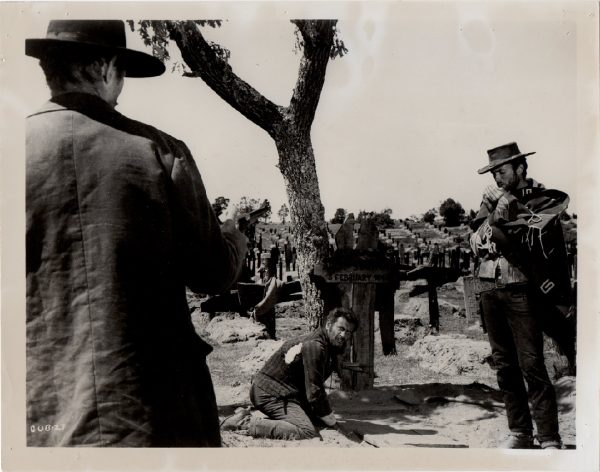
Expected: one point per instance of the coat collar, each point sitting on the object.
(77, 101)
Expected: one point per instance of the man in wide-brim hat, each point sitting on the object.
(503, 155)
(518, 239)
(118, 224)
(104, 37)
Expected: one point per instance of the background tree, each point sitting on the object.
(452, 212)
(267, 216)
(283, 213)
(220, 205)
(245, 205)
(339, 216)
(289, 126)
(363, 214)
(429, 216)
(382, 219)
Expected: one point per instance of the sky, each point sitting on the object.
(404, 120)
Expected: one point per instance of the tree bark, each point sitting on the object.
(297, 165)
(288, 126)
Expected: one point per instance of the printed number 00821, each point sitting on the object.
(46, 427)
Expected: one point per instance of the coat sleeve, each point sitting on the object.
(314, 359)
(210, 261)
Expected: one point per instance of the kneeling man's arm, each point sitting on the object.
(314, 359)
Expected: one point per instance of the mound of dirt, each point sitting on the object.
(450, 309)
(419, 307)
(401, 296)
(258, 356)
(200, 321)
(407, 329)
(194, 300)
(455, 355)
(408, 285)
(407, 321)
(290, 309)
(416, 307)
(458, 286)
(232, 328)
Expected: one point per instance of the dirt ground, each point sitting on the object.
(438, 391)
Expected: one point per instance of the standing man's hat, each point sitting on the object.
(503, 154)
(98, 35)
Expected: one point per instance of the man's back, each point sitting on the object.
(299, 369)
(112, 356)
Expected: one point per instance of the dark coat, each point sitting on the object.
(118, 223)
(530, 237)
(298, 369)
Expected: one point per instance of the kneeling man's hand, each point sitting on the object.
(329, 419)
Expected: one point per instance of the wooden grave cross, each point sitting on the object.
(355, 271)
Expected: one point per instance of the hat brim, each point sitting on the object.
(136, 63)
(501, 162)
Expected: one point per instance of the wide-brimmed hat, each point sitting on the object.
(501, 155)
(95, 35)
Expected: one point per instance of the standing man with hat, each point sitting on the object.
(118, 224)
(518, 238)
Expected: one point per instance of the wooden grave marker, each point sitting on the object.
(355, 273)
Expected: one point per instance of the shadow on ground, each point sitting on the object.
(427, 415)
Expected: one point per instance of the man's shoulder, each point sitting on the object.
(99, 114)
(303, 338)
(152, 131)
(315, 340)
(536, 197)
(164, 140)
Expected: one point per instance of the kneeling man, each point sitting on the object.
(290, 388)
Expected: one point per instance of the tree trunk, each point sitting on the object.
(297, 165)
(288, 126)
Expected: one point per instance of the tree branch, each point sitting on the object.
(218, 75)
(318, 41)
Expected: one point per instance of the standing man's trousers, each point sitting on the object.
(516, 339)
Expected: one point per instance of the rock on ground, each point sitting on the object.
(455, 355)
(232, 328)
